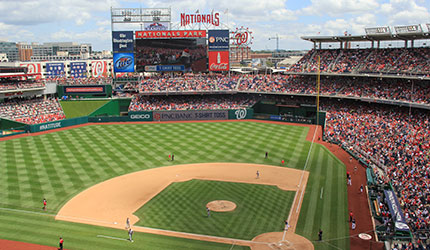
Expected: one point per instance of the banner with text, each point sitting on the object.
(78, 69)
(122, 41)
(218, 39)
(140, 116)
(219, 60)
(88, 89)
(171, 34)
(396, 211)
(190, 115)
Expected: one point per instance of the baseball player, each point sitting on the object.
(44, 204)
(130, 234)
(61, 244)
(127, 223)
(258, 174)
(208, 211)
(286, 225)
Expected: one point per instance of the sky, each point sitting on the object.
(88, 21)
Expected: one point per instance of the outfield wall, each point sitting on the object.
(189, 115)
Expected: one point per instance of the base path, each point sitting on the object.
(109, 203)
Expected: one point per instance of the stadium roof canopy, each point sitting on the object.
(367, 38)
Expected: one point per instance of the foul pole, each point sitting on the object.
(318, 91)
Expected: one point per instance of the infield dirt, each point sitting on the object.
(109, 203)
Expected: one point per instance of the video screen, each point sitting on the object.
(190, 52)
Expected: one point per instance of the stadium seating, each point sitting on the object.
(32, 111)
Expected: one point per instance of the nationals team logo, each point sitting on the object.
(32, 68)
(240, 114)
(99, 68)
(242, 37)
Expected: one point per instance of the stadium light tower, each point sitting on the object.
(277, 41)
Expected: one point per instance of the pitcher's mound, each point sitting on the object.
(221, 206)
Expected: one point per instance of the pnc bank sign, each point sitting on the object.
(218, 40)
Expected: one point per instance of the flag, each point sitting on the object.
(226, 11)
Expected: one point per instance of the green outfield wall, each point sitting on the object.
(113, 108)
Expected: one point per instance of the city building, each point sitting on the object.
(10, 49)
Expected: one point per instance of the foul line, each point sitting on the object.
(304, 168)
(110, 237)
(299, 187)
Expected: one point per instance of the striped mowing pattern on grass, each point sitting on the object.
(182, 207)
(59, 165)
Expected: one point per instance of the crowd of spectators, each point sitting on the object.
(193, 102)
(85, 81)
(32, 111)
(188, 82)
(392, 137)
(16, 85)
(360, 87)
(400, 61)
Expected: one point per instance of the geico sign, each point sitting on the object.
(140, 116)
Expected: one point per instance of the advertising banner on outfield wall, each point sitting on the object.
(56, 124)
(122, 41)
(239, 114)
(190, 115)
(123, 62)
(140, 116)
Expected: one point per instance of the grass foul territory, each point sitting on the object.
(59, 165)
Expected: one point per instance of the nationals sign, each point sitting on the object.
(212, 19)
(99, 68)
(171, 34)
(219, 61)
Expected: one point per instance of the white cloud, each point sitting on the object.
(339, 7)
(33, 12)
(400, 12)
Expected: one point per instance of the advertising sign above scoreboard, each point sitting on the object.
(122, 41)
(218, 39)
(171, 34)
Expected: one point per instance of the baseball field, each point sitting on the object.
(95, 176)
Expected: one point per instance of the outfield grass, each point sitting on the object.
(181, 207)
(59, 165)
(74, 109)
